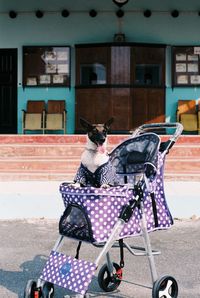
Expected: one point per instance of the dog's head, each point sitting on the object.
(97, 133)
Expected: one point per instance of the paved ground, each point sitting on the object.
(25, 245)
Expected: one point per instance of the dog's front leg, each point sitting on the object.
(75, 185)
(104, 185)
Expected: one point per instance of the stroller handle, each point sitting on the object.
(176, 125)
(166, 146)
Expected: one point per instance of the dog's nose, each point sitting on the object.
(101, 140)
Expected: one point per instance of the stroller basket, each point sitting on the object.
(97, 211)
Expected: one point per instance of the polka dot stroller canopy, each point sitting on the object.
(91, 213)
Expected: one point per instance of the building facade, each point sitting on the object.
(132, 62)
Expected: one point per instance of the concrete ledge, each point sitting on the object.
(31, 199)
(183, 198)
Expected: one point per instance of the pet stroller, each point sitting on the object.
(106, 217)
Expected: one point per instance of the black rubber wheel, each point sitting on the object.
(165, 287)
(107, 282)
(30, 288)
(47, 290)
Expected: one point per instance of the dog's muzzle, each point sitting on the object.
(97, 140)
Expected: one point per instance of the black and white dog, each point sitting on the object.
(95, 168)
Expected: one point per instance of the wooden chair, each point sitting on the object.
(55, 118)
(33, 116)
(187, 115)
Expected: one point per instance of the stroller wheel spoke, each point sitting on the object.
(165, 287)
(107, 281)
(47, 290)
(107, 278)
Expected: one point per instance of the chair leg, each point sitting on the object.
(64, 122)
(23, 122)
(43, 121)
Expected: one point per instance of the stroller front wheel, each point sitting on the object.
(165, 287)
(107, 282)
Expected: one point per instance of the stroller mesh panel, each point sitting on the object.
(131, 157)
(73, 223)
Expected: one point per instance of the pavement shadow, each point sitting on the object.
(15, 281)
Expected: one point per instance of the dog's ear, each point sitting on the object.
(86, 125)
(108, 123)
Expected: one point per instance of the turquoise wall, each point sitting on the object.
(46, 94)
(79, 27)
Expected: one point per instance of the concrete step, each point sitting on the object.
(40, 151)
(57, 157)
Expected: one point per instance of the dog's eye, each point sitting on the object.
(95, 131)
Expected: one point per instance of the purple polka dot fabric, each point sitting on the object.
(68, 272)
(102, 207)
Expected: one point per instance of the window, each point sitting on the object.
(92, 74)
(148, 74)
(46, 66)
(186, 66)
(148, 66)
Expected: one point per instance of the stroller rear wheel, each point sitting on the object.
(29, 291)
(107, 282)
(165, 287)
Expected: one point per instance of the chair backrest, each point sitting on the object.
(55, 106)
(187, 106)
(35, 106)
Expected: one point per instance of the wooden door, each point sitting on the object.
(8, 91)
(129, 84)
(120, 88)
(94, 105)
(148, 106)
(121, 109)
(148, 94)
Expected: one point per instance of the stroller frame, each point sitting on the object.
(165, 286)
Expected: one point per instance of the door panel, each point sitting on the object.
(93, 105)
(8, 91)
(120, 65)
(148, 106)
(121, 109)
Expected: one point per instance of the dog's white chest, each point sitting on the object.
(93, 160)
